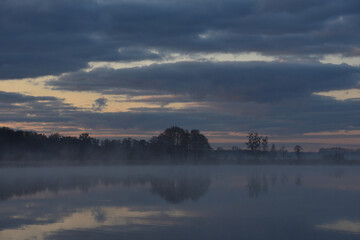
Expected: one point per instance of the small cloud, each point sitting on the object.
(342, 225)
(99, 104)
(204, 35)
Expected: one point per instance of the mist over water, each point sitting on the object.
(180, 202)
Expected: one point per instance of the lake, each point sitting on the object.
(180, 202)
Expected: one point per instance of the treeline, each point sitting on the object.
(259, 151)
(174, 144)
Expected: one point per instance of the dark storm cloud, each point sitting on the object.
(40, 37)
(223, 81)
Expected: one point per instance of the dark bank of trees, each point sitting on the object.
(174, 144)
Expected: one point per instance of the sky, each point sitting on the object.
(287, 69)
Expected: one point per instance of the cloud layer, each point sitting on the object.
(222, 81)
(42, 37)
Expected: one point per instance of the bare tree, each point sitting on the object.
(298, 149)
(254, 141)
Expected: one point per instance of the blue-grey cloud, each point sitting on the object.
(297, 116)
(223, 81)
(40, 37)
(11, 97)
(16, 107)
(315, 114)
(99, 104)
(286, 117)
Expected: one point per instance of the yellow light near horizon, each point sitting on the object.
(83, 219)
(37, 87)
(82, 100)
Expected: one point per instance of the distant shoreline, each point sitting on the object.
(69, 163)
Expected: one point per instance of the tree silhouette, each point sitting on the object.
(178, 143)
(298, 149)
(254, 141)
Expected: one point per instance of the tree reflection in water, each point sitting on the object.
(99, 214)
(173, 189)
(180, 189)
(259, 185)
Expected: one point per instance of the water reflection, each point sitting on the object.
(91, 219)
(342, 226)
(99, 214)
(174, 189)
(259, 185)
(180, 189)
(233, 202)
(298, 180)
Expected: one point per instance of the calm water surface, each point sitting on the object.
(180, 202)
